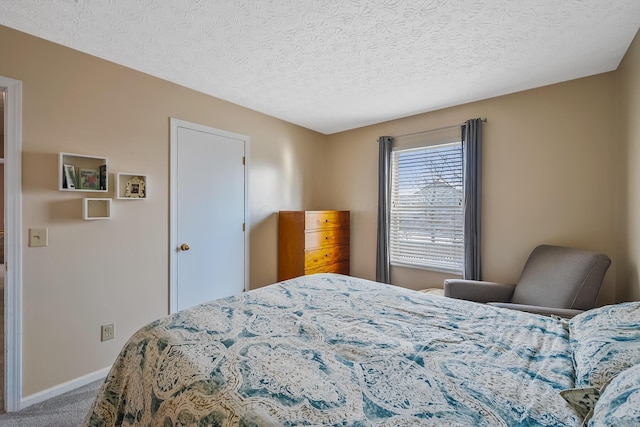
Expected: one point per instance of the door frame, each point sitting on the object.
(13, 243)
(173, 202)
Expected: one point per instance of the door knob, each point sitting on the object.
(184, 247)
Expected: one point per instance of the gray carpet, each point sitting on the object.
(67, 410)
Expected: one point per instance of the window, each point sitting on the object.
(426, 222)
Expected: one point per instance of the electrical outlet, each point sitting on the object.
(107, 332)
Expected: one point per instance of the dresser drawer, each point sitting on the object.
(313, 242)
(329, 237)
(324, 256)
(341, 267)
(314, 220)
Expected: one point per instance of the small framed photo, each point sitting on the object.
(135, 188)
(88, 179)
(69, 176)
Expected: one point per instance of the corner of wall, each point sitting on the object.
(628, 174)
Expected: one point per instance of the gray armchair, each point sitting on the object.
(555, 280)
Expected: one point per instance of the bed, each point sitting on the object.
(328, 349)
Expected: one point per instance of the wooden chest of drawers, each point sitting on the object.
(313, 242)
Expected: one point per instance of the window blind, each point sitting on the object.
(426, 221)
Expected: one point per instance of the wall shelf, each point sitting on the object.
(96, 208)
(90, 173)
(131, 186)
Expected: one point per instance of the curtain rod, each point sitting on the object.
(434, 130)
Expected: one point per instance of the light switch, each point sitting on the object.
(38, 237)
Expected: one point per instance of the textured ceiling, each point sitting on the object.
(332, 65)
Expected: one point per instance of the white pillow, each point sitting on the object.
(605, 341)
(619, 403)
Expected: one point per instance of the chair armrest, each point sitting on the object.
(478, 291)
(566, 313)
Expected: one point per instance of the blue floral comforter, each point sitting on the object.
(336, 350)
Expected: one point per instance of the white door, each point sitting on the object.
(208, 199)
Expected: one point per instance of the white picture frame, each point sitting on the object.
(70, 176)
(135, 188)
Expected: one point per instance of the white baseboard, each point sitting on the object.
(43, 395)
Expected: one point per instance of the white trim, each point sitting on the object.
(55, 391)
(247, 223)
(13, 243)
(173, 202)
(173, 214)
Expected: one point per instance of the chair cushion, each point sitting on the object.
(561, 277)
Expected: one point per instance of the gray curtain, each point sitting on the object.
(384, 198)
(472, 153)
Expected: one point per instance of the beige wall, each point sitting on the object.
(628, 176)
(96, 272)
(548, 177)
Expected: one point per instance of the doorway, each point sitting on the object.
(11, 92)
(2, 249)
(209, 228)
